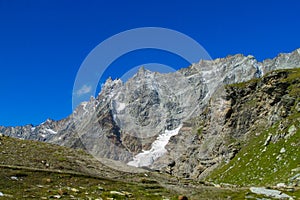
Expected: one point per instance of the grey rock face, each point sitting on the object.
(270, 193)
(125, 118)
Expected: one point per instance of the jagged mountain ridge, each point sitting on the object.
(125, 118)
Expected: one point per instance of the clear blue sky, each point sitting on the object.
(43, 42)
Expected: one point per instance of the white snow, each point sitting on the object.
(157, 150)
(121, 106)
(84, 104)
(33, 128)
(47, 121)
(51, 131)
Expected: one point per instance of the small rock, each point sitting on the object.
(268, 140)
(298, 107)
(281, 185)
(100, 188)
(291, 131)
(296, 169)
(297, 176)
(14, 178)
(40, 186)
(269, 193)
(55, 197)
(117, 193)
(282, 150)
(278, 157)
(127, 194)
(74, 190)
(182, 198)
(1, 194)
(290, 189)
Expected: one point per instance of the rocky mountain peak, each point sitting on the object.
(110, 85)
(127, 118)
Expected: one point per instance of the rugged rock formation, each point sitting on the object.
(230, 119)
(125, 118)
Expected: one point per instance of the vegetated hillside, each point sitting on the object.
(36, 170)
(269, 153)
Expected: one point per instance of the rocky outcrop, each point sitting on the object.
(125, 118)
(230, 118)
(270, 193)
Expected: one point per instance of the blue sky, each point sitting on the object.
(43, 43)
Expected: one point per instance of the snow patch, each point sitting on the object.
(47, 121)
(121, 106)
(51, 131)
(33, 128)
(84, 104)
(157, 150)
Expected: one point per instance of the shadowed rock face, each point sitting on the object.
(125, 118)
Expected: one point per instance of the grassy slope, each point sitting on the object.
(73, 174)
(45, 170)
(260, 165)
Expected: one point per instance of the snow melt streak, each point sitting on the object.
(157, 150)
